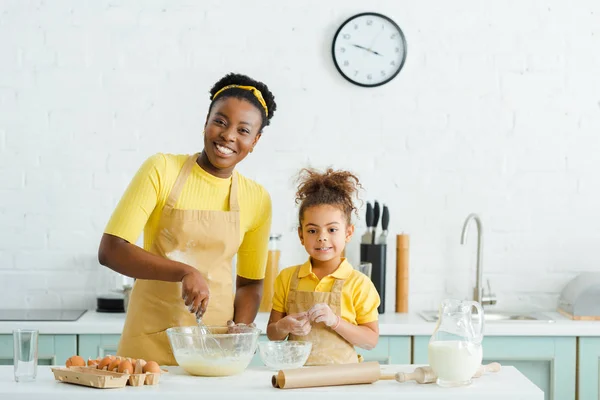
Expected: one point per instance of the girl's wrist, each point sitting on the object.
(279, 329)
(337, 324)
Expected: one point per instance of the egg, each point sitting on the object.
(114, 364)
(105, 362)
(125, 367)
(151, 367)
(75, 361)
(92, 363)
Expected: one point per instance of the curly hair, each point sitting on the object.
(243, 80)
(336, 188)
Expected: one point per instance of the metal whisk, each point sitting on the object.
(209, 344)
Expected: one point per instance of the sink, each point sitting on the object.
(496, 316)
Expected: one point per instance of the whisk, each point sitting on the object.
(208, 343)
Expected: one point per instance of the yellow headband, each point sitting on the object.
(254, 91)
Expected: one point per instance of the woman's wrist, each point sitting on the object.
(184, 270)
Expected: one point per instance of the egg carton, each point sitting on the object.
(97, 378)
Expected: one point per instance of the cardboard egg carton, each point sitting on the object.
(102, 379)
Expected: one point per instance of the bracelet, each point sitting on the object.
(337, 324)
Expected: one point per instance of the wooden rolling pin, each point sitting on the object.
(426, 374)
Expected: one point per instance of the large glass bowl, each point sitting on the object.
(215, 352)
(284, 354)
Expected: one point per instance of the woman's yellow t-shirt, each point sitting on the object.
(142, 203)
(359, 296)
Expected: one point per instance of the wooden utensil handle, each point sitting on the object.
(491, 367)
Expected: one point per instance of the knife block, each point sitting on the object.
(375, 254)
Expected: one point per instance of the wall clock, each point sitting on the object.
(369, 49)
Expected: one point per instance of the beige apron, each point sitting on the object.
(206, 240)
(327, 346)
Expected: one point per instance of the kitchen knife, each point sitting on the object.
(375, 221)
(367, 238)
(385, 221)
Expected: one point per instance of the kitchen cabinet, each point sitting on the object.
(588, 355)
(549, 362)
(93, 346)
(52, 349)
(389, 350)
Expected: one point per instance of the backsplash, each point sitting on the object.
(497, 111)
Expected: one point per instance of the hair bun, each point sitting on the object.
(330, 187)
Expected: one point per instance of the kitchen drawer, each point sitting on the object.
(549, 362)
(93, 346)
(389, 350)
(52, 349)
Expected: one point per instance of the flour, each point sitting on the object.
(180, 256)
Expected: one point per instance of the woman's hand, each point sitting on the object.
(321, 312)
(195, 292)
(297, 324)
(240, 327)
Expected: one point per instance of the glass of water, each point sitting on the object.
(25, 354)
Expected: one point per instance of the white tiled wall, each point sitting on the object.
(497, 111)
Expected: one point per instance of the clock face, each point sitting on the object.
(369, 49)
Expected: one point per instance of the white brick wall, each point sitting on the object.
(497, 111)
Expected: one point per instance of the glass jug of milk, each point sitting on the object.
(455, 351)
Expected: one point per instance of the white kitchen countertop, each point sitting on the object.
(410, 324)
(255, 383)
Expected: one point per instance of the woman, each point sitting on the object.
(196, 213)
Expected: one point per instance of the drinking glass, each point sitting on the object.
(25, 354)
(365, 267)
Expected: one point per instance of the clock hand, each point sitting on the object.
(360, 47)
(364, 48)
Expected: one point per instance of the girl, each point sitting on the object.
(325, 300)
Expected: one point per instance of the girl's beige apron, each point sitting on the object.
(327, 346)
(206, 240)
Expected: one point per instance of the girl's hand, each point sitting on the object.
(323, 313)
(195, 292)
(297, 324)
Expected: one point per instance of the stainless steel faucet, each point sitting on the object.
(479, 292)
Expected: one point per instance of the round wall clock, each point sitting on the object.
(369, 49)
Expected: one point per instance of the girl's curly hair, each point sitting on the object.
(336, 188)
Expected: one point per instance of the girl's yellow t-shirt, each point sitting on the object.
(141, 206)
(359, 295)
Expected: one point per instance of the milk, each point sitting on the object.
(454, 362)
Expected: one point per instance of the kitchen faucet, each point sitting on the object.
(479, 293)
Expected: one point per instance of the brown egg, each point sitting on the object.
(104, 363)
(125, 367)
(152, 367)
(75, 361)
(114, 364)
(92, 363)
